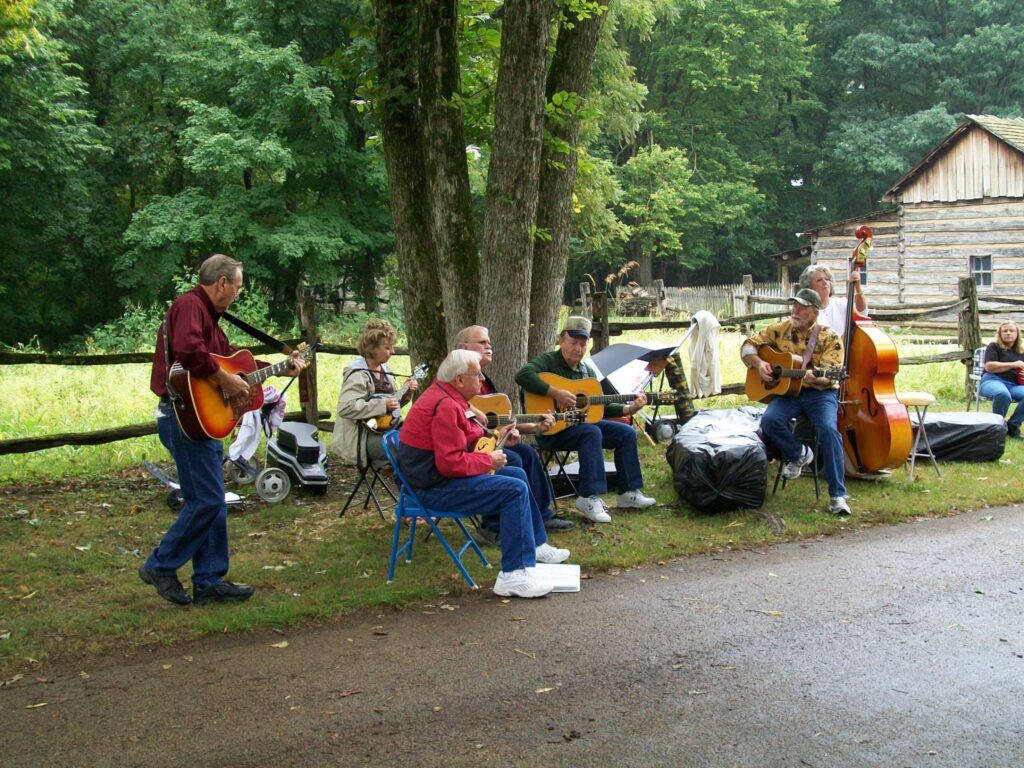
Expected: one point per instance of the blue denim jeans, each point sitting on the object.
(525, 458)
(200, 533)
(1001, 393)
(822, 408)
(588, 440)
(506, 493)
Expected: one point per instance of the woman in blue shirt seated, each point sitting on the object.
(1004, 363)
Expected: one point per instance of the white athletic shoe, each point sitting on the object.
(633, 500)
(838, 505)
(548, 554)
(521, 583)
(593, 509)
(791, 469)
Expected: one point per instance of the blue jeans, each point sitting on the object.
(200, 533)
(588, 440)
(822, 408)
(525, 458)
(507, 494)
(1001, 393)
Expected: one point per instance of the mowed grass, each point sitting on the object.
(75, 523)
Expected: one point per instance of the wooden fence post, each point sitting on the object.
(307, 382)
(968, 329)
(586, 305)
(748, 302)
(600, 322)
(659, 294)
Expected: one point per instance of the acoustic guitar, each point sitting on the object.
(204, 411)
(498, 410)
(788, 372)
(589, 398)
(381, 424)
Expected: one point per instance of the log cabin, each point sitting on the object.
(958, 212)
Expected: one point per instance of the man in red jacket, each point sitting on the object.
(436, 454)
(200, 533)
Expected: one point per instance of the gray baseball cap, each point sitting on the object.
(577, 326)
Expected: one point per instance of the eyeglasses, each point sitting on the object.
(483, 343)
(472, 376)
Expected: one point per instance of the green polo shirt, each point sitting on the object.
(553, 362)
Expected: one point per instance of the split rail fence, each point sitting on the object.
(755, 307)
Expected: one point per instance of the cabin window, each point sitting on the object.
(981, 270)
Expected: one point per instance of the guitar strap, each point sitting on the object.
(257, 334)
(172, 392)
(812, 342)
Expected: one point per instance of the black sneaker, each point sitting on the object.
(484, 537)
(222, 592)
(558, 525)
(168, 587)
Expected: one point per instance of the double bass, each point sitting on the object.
(874, 424)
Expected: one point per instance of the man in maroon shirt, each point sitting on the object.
(200, 533)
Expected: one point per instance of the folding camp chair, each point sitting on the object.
(372, 475)
(410, 508)
(977, 370)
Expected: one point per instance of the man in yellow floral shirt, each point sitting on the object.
(821, 348)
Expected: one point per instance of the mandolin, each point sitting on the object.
(788, 372)
(590, 399)
(202, 409)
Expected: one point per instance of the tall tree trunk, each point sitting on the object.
(512, 184)
(446, 166)
(570, 72)
(407, 180)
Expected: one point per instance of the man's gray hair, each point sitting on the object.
(456, 364)
(465, 336)
(809, 272)
(216, 267)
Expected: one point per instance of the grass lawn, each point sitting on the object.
(75, 523)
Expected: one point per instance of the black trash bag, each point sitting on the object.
(958, 436)
(719, 462)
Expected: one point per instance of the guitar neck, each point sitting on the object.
(262, 374)
(653, 398)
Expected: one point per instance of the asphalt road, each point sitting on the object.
(899, 646)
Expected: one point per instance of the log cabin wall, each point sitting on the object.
(965, 199)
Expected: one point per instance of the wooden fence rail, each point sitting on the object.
(968, 338)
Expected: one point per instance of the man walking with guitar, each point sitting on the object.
(191, 337)
(815, 347)
(588, 440)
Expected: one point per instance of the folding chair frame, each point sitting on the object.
(375, 478)
(409, 506)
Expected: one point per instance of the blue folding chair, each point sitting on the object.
(410, 507)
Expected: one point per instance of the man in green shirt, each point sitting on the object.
(588, 440)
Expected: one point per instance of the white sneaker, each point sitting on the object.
(791, 469)
(838, 505)
(521, 583)
(548, 554)
(633, 500)
(593, 509)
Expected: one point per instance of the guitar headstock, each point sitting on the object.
(572, 417)
(835, 373)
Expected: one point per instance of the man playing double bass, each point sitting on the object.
(818, 347)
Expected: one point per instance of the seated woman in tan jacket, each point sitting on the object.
(368, 397)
